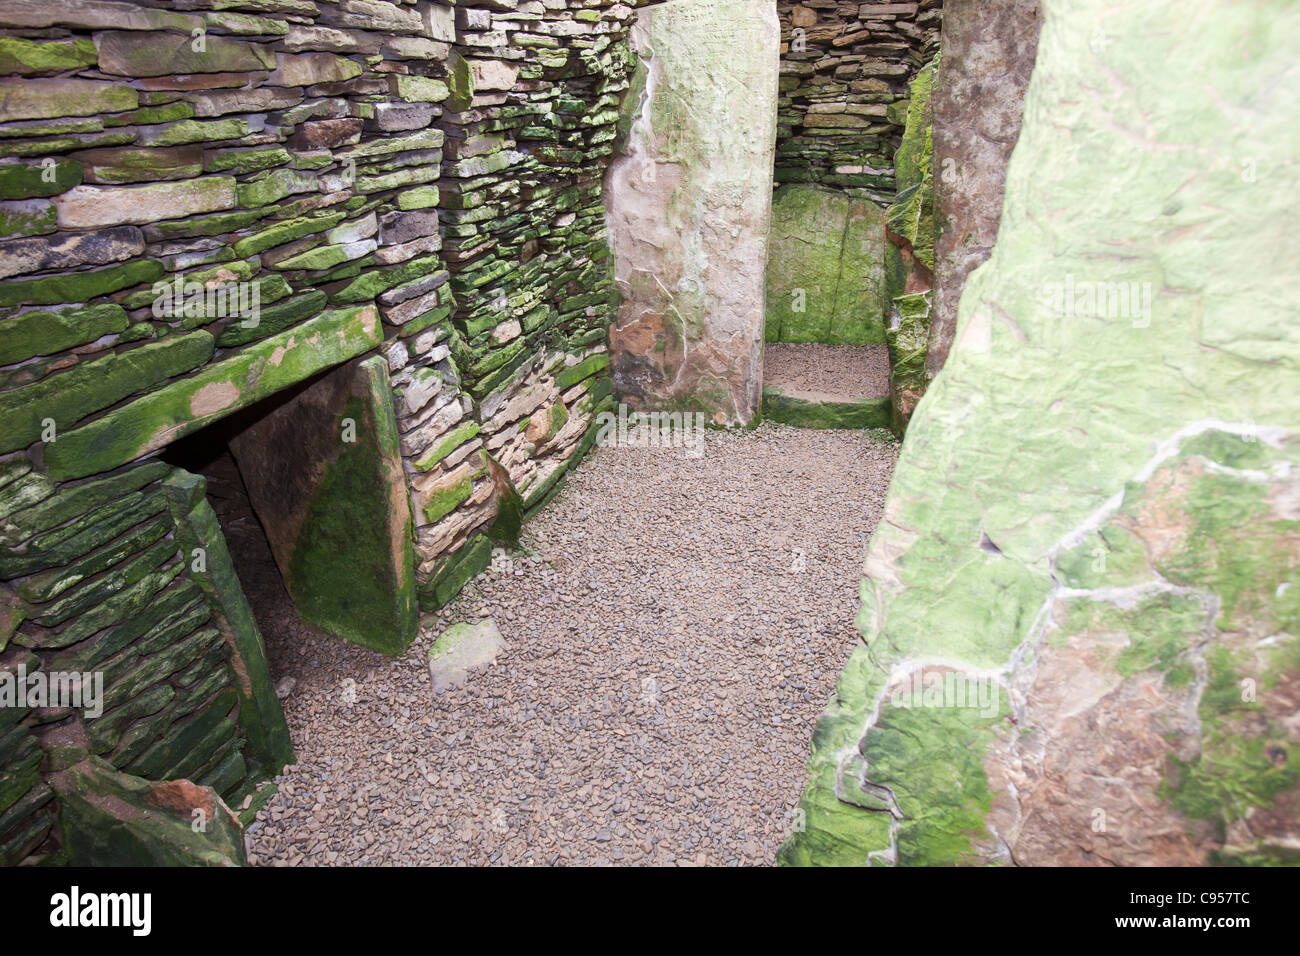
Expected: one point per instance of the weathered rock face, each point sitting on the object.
(1082, 609)
(979, 99)
(110, 818)
(911, 228)
(825, 273)
(689, 208)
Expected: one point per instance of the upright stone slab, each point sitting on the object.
(979, 99)
(825, 271)
(324, 473)
(689, 205)
(1081, 612)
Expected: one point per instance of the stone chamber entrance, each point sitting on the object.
(301, 493)
(975, 521)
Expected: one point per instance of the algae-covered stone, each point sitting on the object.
(60, 401)
(43, 57)
(454, 573)
(94, 207)
(908, 338)
(131, 165)
(260, 714)
(809, 413)
(110, 818)
(22, 99)
(32, 180)
(340, 524)
(417, 89)
(160, 54)
(911, 217)
(47, 333)
(78, 286)
(31, 217)
(258, 370)
(824, 275)
(274, 319)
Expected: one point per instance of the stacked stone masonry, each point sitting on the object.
(845, 71)
(410, 181)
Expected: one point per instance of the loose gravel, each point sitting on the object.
(675, 626)
(824, 373)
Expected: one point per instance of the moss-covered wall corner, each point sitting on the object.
(1080, 621)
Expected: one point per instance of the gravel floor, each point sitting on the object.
(827, 372)
(675, 628)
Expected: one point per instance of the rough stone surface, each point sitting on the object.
(457, 239)
(979, 96)
(1123, 573)
(690, 205)
(825, 272)
(324, 473)
(180, 407)
(114, 819)
(461, 650)
(845, 70)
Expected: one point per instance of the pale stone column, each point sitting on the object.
(689, 206)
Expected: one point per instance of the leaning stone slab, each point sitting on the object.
(260, 714)
(67, 397)
(461, 650)
(324, 473)
(176, 409)
(42, 57)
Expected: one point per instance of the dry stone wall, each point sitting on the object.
(203, 205)
(845, 69)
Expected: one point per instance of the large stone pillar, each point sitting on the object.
(979, 101)
(689, 204)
